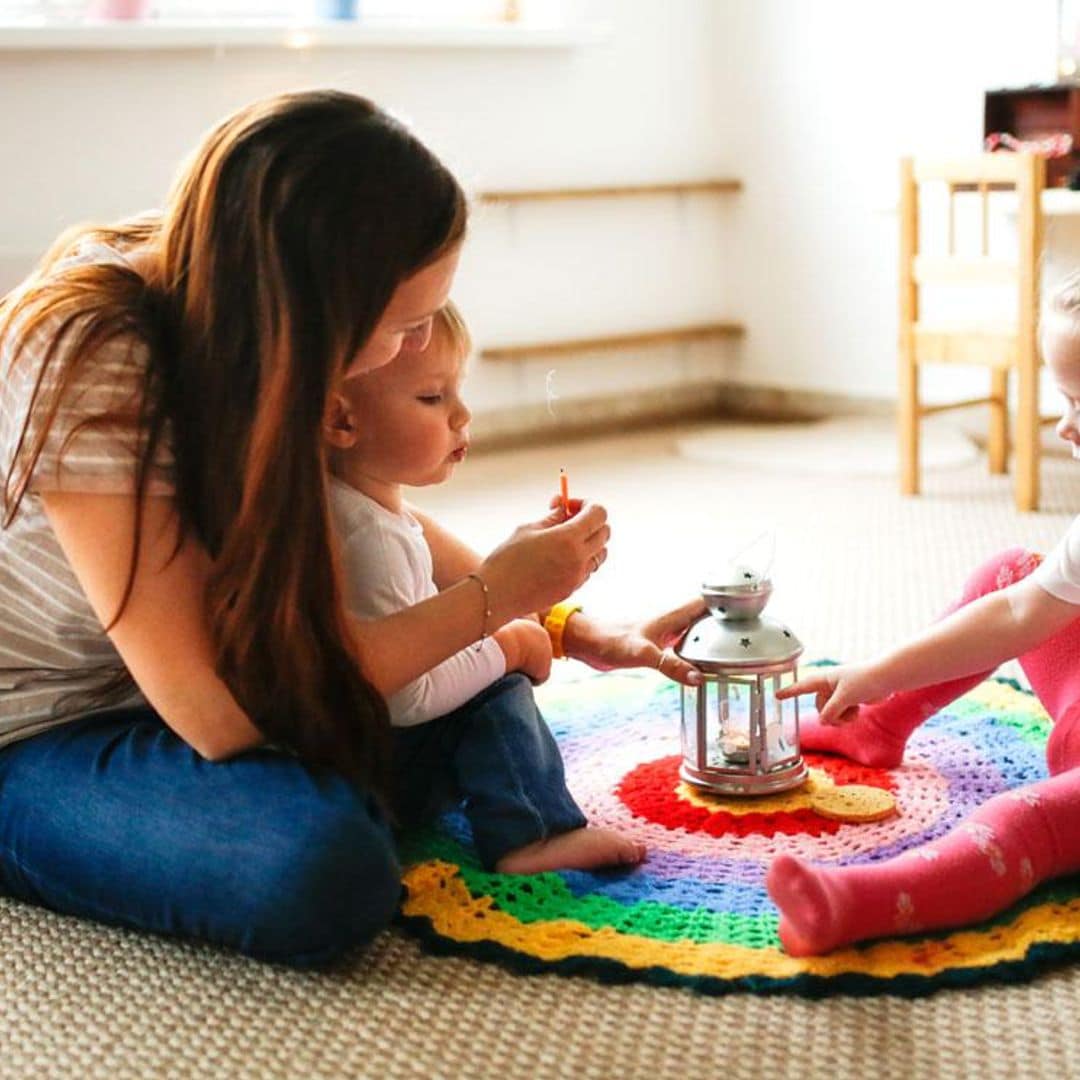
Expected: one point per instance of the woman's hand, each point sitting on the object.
(527, 649)
(838, 691)
(545, 561)
(641, 644)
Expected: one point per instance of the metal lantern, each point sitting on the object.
(737, 738)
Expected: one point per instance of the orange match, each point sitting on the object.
(564, 490)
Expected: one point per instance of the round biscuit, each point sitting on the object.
(858, 803)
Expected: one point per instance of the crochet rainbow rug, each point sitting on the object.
(696, 913)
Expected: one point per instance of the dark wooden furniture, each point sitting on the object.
(1033, 112)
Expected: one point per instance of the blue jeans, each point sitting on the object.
(496, 759)
(115, 818)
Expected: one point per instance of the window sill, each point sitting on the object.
(149, 35)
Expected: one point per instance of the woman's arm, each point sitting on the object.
(387, 569)
(539, 565)
(162, 636)
(593, 641)
(452, 559)
(647, 643)
(977, 637)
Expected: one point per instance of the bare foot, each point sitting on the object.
(580, 849)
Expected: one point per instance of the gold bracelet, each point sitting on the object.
(555, 625)
(487, 609)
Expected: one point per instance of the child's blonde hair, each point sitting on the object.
(1061, 312)
(449, 321)
(1065, 299)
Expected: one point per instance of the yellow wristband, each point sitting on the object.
(555, 625)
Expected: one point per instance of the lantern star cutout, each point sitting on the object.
(744, 642)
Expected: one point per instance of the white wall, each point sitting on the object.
(809, 102)
(98, 135)
(827, 96)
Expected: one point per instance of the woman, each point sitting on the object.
(193, 735)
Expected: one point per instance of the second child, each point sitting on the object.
(1015, 605)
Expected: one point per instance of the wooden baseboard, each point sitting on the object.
(579, 418)
(781, 403)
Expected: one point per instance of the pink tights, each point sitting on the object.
(1007, 847)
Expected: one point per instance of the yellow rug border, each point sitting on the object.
(436, 892)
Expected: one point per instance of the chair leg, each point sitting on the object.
(907, 406)
(997, 447)
(1031, 179)
(907, 422)
(1028, 439)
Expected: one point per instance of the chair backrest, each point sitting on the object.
(1001, 341)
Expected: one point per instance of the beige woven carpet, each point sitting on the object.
(856, 567)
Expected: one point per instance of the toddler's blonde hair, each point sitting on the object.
(1065, 299)
(449, 321)
(1061, 312)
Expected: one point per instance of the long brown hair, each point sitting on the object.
(278, 250)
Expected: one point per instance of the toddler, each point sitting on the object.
(467, 732)
(1015, 605)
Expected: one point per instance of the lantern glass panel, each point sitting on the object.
(691, 703)
(781, 732)
(734, 709)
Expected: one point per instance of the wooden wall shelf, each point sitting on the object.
(641, 339)
(689, 187)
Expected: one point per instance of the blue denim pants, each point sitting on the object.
(495, 758)
(115, 818)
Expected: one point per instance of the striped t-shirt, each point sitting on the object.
(54, 652)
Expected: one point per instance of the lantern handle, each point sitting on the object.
(771, 534)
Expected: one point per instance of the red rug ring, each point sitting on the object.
(650, 791)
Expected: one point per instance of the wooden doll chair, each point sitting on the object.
(1003, 341)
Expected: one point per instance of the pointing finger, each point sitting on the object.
(810, 684)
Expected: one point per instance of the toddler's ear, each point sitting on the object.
(339, 426)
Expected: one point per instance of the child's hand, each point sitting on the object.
(545, 561)
(527, 649)
(838, 691)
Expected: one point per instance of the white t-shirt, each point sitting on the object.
(388, 568)
(1059, 572)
